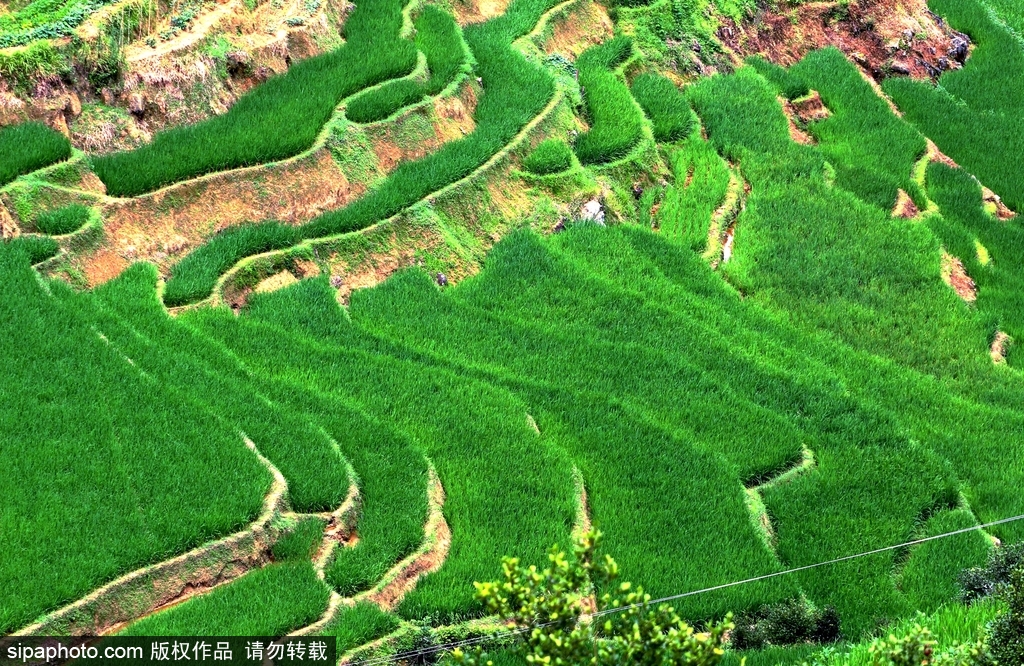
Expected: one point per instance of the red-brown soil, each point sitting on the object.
(884, 37)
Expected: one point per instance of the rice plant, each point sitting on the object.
(515, 92)
(701, 182)
(29, 146)
(302, 99)
(975, 114)
(964, 227)
(550, 156)
(64, 220)
(437, 36)
(615, 123)
(516, 497)
(360, 624)
(194, 277)
(36, 248)
(271, 601)
(72, 401)
(873, 151)
(664, 105)
(786, 81)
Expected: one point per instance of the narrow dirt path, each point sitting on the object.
(723, 221)
(183, 40)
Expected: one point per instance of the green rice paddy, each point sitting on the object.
(813, 393)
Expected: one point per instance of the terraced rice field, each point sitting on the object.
(744, 316)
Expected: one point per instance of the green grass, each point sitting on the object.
(701, 181)
(271, 601)
(45, 19)
(516, 497)
(302, 99)
(975, 114)
(964, 225)
(616, 125)
(437, 36)
(193, 278)
(360, 624)
(873, 151)
(786, 82)
(29, 146)
(62, 220)
(550, 156)
(665, 106)
(151, 473)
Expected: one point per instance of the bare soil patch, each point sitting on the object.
(884, 37)
(579, 29)
(478, 11)
(1000, 345)
(164, 227)
(955, 275)
(905, 207)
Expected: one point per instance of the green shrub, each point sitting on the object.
(1007, 640)
(550, 156)
(980, 582)
(29, 146)
(666, 107)
(62, 220)
(193, 278)
(788, 84)
(789, 622)
(615, 123)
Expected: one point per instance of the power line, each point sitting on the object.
(433, 649)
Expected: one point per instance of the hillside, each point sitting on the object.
(313, 311)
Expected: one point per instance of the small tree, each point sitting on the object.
(551, 607)
(1007, 637)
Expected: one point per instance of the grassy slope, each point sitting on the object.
(976, 115)
(80, 422)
